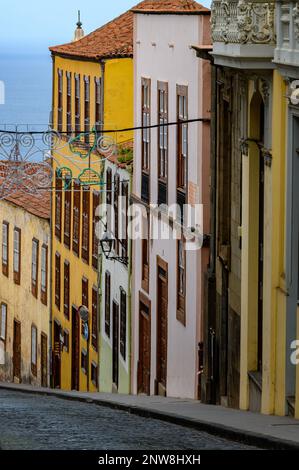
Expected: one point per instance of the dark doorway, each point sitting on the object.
(75, 349)
(56, 357)
(162, 325)
(44, 360)
(115, 345)
(17, 351)
(144, 364)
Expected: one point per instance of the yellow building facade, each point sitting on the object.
(92, 92)
(25, 336)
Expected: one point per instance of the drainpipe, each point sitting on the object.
(51, 246)
(100, 255)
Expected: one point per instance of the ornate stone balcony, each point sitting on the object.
(243, 33)
(287, 51)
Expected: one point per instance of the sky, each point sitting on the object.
(33, 25)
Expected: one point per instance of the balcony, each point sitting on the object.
(287, 50)
(243, 33)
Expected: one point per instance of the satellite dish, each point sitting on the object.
(84, 313)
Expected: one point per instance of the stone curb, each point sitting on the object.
(217, 429)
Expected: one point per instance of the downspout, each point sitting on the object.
(100, 256)
(130, 290)
(51, 244)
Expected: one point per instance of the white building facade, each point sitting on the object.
(171, 166)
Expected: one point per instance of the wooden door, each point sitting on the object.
(44, 360)
(162, 325)
(75, 349)
(56, 357)
(115, 344)
(144, 364)
(17, 351)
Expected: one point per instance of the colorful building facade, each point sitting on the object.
(171, 169)
(92, 91)
(25, 335)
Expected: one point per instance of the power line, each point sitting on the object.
(109, 131)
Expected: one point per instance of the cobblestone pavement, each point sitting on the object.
(35, 422)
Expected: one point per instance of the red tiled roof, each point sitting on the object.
(37, 204)
(170, 6)
(115, 39)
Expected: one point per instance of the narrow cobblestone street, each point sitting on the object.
(31, 422)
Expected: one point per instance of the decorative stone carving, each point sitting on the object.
(243, 22)
(296, 20)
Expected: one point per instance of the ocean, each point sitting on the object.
(28, 87)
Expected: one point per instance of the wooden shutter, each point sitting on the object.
(86, 108)
(116, 212)
(107, 303)
(3, 322)
(5, 248)
(67, 216)
(58, 202)
(182, 137)
(60, 101)
(146, 121)
(181, 282)
(85, 224)
(125, 200)
(17, 256)
(44, 275)
(94, 334)
(76, 217)
(34, 267)
(98, 105)
(57, 280)
(34, 350)
(69, 103)
(77, 104)
(95, 241)
(66, 290)
(123, 323)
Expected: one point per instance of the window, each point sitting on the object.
(34, 267)
(66, 343)
(107, 303)
(3, 321)
(94, 374)
(44, 274)
(34, 350)
(60, 101)
(162, 142)
(109, 197)
(123, 323)
(85, 224)
(69, 103)
(84, 298)
(98, 105)
(17, 256)
(77, 104)
(162, 131)
(94, 331)
(76, 217)
(86, 108)
(146, 121)
(67, 216)
(57, 280)
(116, 213)
(95, 241)
(5, 248)
(145, 254)
(125, 205)
(146, 133)
(182, 144)
(181, 281)
(58, 202)
(84, 361)
(66, 289)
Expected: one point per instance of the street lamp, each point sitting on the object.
(107, 242)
